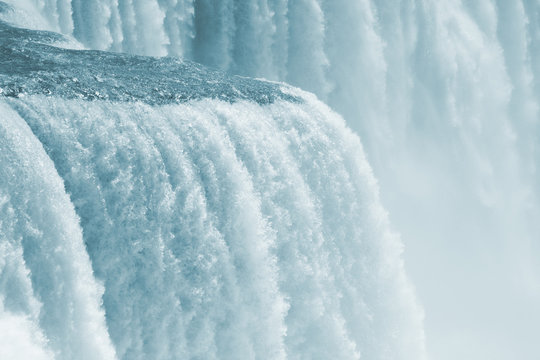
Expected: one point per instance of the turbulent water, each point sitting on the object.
(443, 93)
(151, 208)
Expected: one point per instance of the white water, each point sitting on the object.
(47, 287)
(143, 218)
(218, 231)
(444, 95)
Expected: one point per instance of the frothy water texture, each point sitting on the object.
(178, 212)
(152, 208)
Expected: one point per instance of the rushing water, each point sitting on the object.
(151, 208)
(445, 97)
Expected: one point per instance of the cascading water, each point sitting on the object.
(152, 208)
(443, 93)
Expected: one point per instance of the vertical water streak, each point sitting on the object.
(356, 56)
(65, 19)
(214, 33)
(50, 7)
(115, 27)
(307, 61)
(129, 26)
(178, 24)
(253, 38)
(42, 227)
(280, 45)
(149, 18)
(91, 23)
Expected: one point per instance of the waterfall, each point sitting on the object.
(152, 208)
(444, 96)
